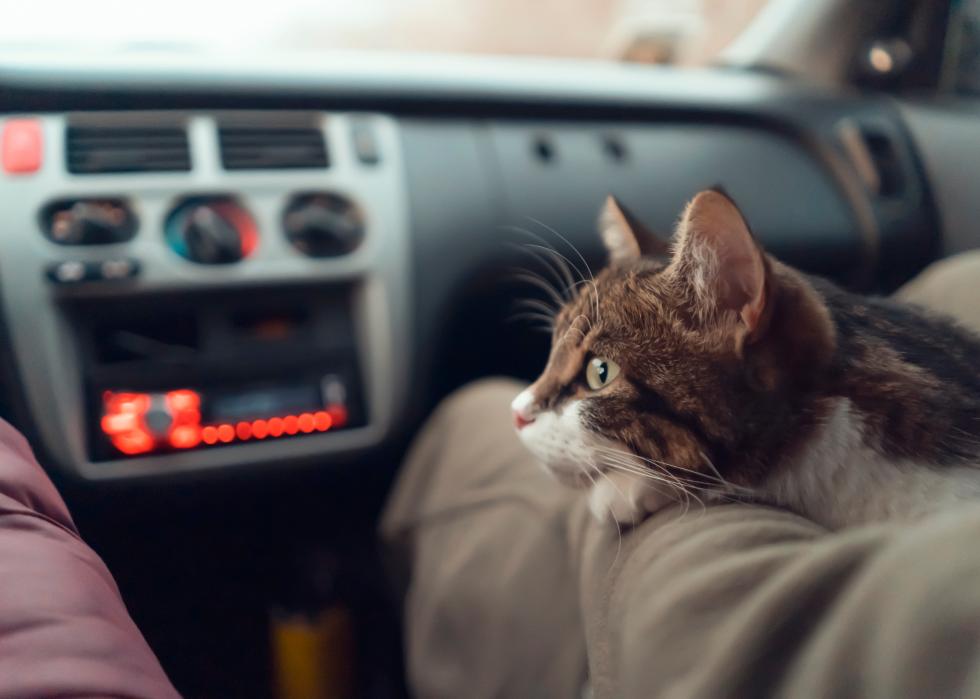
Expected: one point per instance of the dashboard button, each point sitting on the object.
(118, 269)
(71, 272)
(365, 141)
(21, 146)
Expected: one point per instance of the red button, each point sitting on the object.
(21, 146)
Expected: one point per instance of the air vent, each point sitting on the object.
(98, 149)
(257, 148)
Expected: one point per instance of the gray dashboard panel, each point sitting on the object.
(661, 167)
(948, 139)
(43, 345)
(455, 221)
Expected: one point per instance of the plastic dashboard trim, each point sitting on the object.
(39, 330)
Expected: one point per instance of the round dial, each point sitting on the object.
(211, 231)
(323, 224)
(89, 221)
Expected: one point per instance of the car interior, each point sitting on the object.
(235, 283)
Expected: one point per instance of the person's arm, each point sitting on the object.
(64, 630)
(745, 601)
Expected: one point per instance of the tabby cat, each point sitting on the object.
(708, 370)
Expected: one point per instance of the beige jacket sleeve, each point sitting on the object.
(745, 601)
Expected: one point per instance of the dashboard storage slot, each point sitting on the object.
(161, 337)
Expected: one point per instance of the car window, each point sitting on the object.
(659, 31)
(963, 47)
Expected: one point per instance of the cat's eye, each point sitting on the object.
(600, 372)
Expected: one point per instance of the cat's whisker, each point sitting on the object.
(551, 261)
(564, 240)
(699, 477)
(572, 326)
(730, 488)
(680, 495)
(707, 479)
(538, 322)
(626, 467)
(580, 256)
(530, 315)
(684, 485)
(537, 305)
(547, 245)
(619, 528)
(521, 274)
(558, 262)
(675, 485)
(539, 282)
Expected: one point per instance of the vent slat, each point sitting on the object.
(267, 134)
(254, 148)
(93, 150)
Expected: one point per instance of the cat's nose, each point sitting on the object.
(523, 409)
(520, 422)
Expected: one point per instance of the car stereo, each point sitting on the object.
(207, 370)
(136, 423)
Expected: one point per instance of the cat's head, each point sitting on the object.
(672, 350)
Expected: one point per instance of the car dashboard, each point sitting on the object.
(232, 267)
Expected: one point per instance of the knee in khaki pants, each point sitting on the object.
(491, 606)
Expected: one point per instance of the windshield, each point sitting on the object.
(654, 31)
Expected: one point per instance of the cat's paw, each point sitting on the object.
(624, 498)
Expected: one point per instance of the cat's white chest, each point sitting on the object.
(838, 480)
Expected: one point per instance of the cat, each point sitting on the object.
(709, 370)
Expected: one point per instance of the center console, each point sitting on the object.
(191, 291)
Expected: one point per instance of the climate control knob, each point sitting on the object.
(211, 231)
(323, 224)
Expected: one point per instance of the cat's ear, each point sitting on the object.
(625, 237)
(720, 261)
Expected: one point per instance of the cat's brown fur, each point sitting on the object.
(733, 365)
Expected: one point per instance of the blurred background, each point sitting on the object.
(687, 32)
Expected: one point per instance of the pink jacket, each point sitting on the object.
(64, 630)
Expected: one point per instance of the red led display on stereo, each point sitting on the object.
(184, 407)
(140, 423)
(124, 422)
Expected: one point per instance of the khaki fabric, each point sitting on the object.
(480, 531)
(512, 590)
(950, 286)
